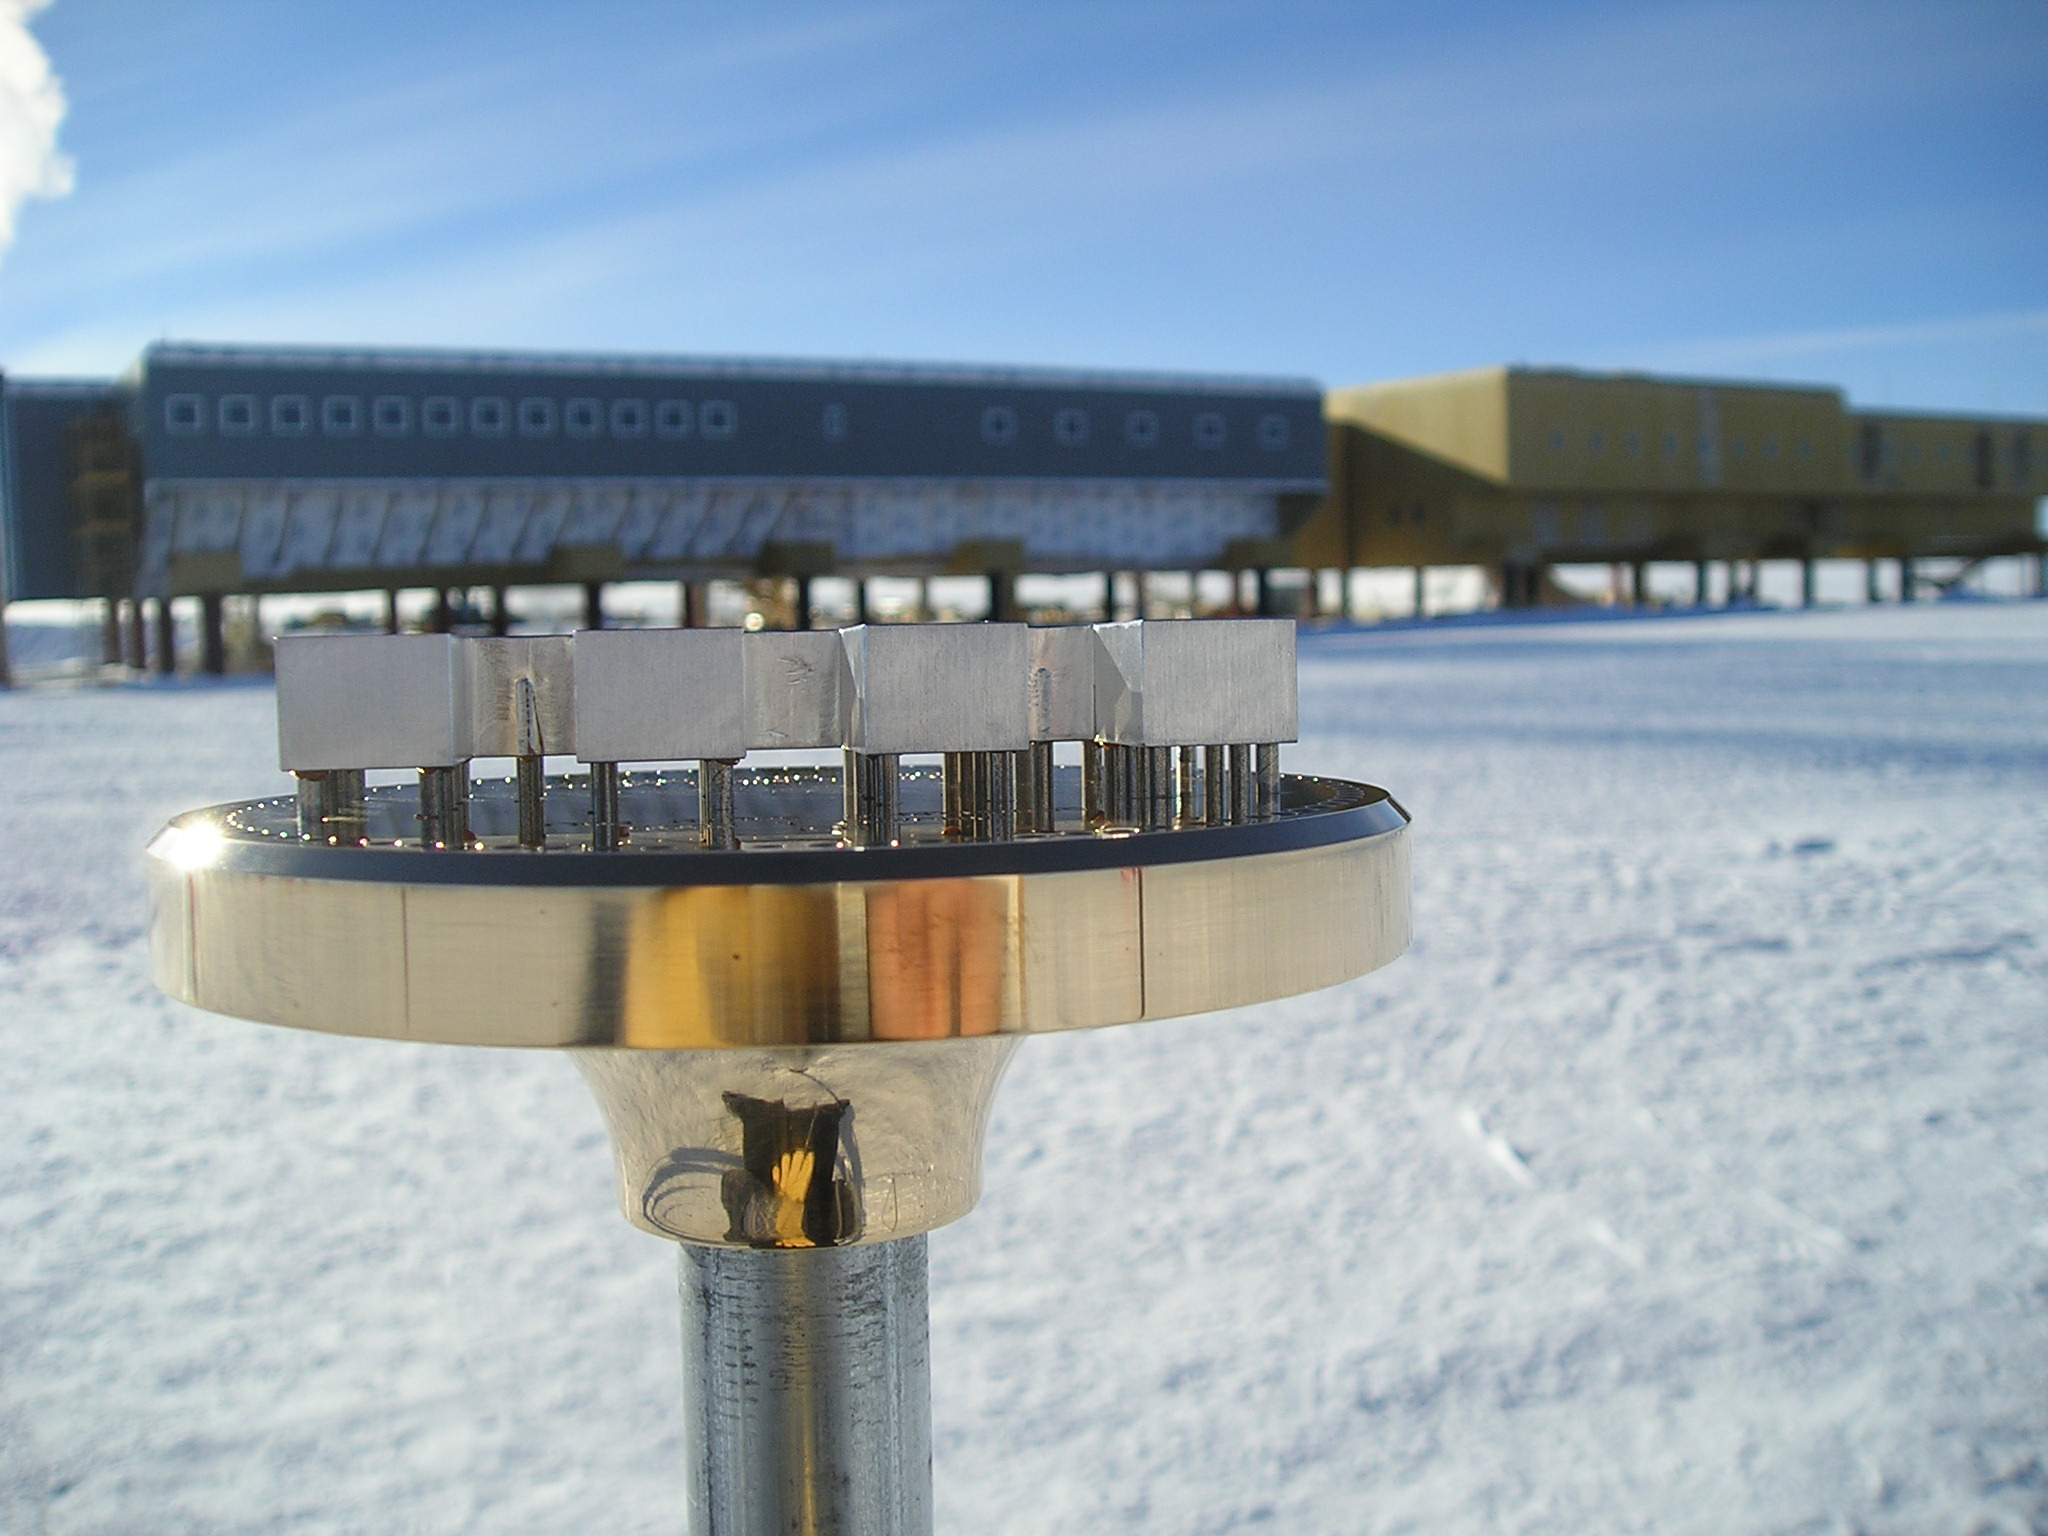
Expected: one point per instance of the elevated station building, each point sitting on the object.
(1521, 469)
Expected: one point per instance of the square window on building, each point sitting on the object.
(583, 417)
(1070, 426)
(998, 425)
(441, 416)
(717, 420)
(237, 415)
(1738, 447)
(1556, 440)
(834, 421)
(184, 415)
(1670, 445)
(1210, 429)
(2022, 457)
(1141, 429)
(391, 415)
(1803, 449)
(673, 418)
(1770, 447)
(341, 415)
(290, 415)
(1632, 445)
(1596, 442)
(536, 416)
(629, 418)
(1273, 433)
(489, 415)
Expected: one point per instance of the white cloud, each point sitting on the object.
(31, 106)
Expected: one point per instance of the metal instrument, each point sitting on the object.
(793, 991)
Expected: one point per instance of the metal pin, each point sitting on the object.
(342, 806)
(311, 798)
(1215, 784)
(1159, 787)
(1035, 811)
(716, 826)
(1091, 784)
(1269, 780)
(1242, 785)
(605, 831)
(1187, 808)
(444, 807)
(532, 780)
(871, 804)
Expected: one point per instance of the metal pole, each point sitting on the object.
(807, 1390)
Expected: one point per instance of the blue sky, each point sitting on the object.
(1845, 193)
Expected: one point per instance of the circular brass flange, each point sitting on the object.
(793, 940)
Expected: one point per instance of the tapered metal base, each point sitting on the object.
(807, 1390)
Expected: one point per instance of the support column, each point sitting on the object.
(1908, 578)
(110, 631)
(443, 620)
(6, 667)
(166, 638)
(807, 1390)
(501, 616)
(1700, 588)
(1808, 577)
(593, 605)
(800, 604)
(135, 652)
(1870, 592)
(213, 639)
(1638, 583)
(1262, 593)
(391, 611)
(860, 599)
(1002, 597)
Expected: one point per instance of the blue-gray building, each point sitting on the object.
(272, 469)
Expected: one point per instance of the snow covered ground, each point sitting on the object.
(1690, 1175)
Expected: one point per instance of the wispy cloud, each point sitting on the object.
(1755, 350)
(31, 108)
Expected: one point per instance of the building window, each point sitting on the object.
(629, 418)
(237, 415)
(184, 415)
(1985, 464)
(1770, 447)
(1596, 443)
(1944, 451)
(1803, 449)
(1273, 433)
(289, 415)
(1141, 428)
(2022, 457)
(1670, 445)
(536, 417)
(833, 423)
(489, 415)
(999, 425)
(391, 416)
(341, 415)
(1210, 430)
(1870, 450)
(1070, 426)
(1632, 445)
(717, 420)
(1738, 447)
(1556, 440)
(441, 416)
(582, 418)
(673, 418)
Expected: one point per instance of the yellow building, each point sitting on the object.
(1519, 469)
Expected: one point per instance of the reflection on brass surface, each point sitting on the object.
(706, 967)
(817, 1146)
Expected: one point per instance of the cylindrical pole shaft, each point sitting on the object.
(807, 1390)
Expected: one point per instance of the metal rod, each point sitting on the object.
(1242, 786)
(1188, 808)
(1215, 780)
(716, 826)
(871, 803)
(341, 807)
(807, 1390)
(444, 807)
(1269, 780)
(1091, 784)
(605, 831)
(1158, 787)
(532, 792)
